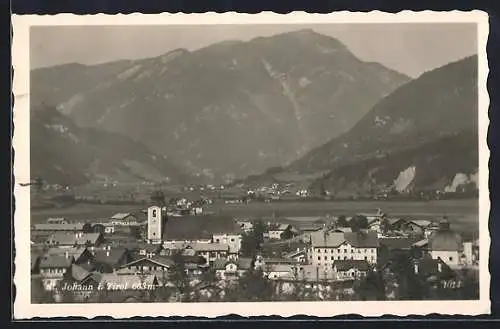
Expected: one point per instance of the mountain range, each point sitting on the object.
(220, 112)
(63, 153)
(422, 136)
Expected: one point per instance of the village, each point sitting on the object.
(176, 252)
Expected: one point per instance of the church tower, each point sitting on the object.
(155, 221)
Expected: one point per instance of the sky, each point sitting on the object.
(411, 48)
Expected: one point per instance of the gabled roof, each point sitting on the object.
(79, 273)
(157, 260)
(75, 252)
(421, 222)
(327, 239)
(445, 240)
(243, 263)
(69, 239)
(58, 227)
(121, 215)
(56, 261)
(343, 229)
(429, 267)
(111, 256)
(347, 264)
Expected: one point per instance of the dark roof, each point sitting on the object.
(56, 261)
(367, 239)
(445, 240)
(195, 227)
(398, 243)
(429, 267)
(347, 264)
(114, 256)
(243, 263)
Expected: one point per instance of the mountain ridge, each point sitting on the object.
(265, 101)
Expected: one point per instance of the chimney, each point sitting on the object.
(298, 249)
(107, 253)
(109, 247)
(440, 267)
(66, 254)
(415, 268)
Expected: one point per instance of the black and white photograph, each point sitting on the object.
(245, 161)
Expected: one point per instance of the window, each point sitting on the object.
(319, 258)
(338, 257)
(366, 258)
(451, 259)
(326, 258)
(345, 250)
(325, 251)
(352, 257)
(332, 258)
(232, 239)
(345, 257)
(217, 240)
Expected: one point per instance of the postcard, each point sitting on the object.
(252, 164)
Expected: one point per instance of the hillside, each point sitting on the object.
(421, 136)
(63, 153)
(265, 102)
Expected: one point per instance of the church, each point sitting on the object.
(192, 228)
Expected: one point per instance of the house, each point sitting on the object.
(377, 216)
(59, 227)
(57, 220)
(446, 244)
(419, 227)
(210, 251)
(397, 224)
(81, 254)
(433, 270)
(157, 265)
(246, 226)
(108, 259)
(267, 263)
(349, 269)
(342, 229)
(53, 269)
(310, 273)
(229, 269)
(306, 229)
(124, 219)
(278, 271)
(149, 249)
(67, 240)
(276, 232)
(299, 255)
(326, 247)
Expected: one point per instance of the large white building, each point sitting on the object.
(327, 247)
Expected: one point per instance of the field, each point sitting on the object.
(463, 214)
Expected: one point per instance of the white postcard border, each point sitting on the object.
(23, 309)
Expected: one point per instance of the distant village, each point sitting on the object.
(176, 252)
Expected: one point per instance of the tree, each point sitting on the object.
(253, 286)
(411, 286)
(342, 221)
(384, 225)
(371, 287)
(287, 234)
(358, 222)
(252, 241)
(178, 275)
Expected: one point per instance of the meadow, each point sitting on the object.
(463, 214)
